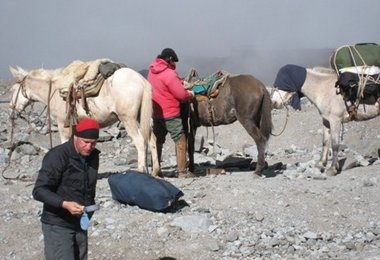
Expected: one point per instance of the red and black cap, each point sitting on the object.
(87, 128)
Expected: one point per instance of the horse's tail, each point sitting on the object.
(146, 112)
(266, 124)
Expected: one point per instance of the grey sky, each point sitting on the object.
(241, 36)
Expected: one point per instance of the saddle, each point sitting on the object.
(207, 88)
(80, 80)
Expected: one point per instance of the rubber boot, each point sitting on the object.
(181, 149)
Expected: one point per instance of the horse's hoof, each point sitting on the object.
(320, 165)
(158, 174)
(331, 172)
(254, 166)
(257, 175)
(186, 175)
(215, 171)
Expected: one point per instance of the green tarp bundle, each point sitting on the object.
(355, 55)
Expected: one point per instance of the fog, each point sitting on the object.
(240, 36)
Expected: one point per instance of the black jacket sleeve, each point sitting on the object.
(48, 180)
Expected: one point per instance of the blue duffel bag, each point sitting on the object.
(145, 191)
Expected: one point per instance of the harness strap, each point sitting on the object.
(48, 115)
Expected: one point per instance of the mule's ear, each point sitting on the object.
(13, 71)
(18, 72)
(22, 71)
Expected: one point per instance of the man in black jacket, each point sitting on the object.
(66, 185)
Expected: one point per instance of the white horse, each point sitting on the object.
(319, 88)
(126, 96)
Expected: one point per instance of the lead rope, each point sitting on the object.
(48, 115)
(287, 112)
(11, 151)
(11, 137)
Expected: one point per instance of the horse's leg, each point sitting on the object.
(326, 141)
(261, 144)
(187, 116)
(64, 132)
(156, 168)
(190, 149)
(131, 125)
(335, 131)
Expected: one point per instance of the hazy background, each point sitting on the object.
(240, 36)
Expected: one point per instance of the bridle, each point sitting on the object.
(275, 89)
(286, 104)
(21, 90)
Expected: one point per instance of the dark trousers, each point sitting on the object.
(64, 243)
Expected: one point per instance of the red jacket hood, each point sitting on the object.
(159, 65)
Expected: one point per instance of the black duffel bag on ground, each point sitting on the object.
(145, 191)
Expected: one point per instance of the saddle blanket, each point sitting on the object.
(291, 78)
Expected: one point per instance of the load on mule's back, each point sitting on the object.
(123, 96)
(362, 54)
(358, 69)
(223, 99)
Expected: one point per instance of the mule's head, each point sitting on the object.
(20, 99)
(280, 97)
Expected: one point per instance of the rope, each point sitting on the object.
(363, 78)
(10, 154)
(205, 81)
(12, 117)
(18, 177)
(48, 115)
(13, 107)
(287, 112)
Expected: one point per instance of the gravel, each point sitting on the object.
(295, 212)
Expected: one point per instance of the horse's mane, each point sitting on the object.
(44, 74)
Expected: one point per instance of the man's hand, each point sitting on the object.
(73, 207)
(191, 93)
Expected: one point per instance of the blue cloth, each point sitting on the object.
(291, 78)
(84, 221)
(145, 191)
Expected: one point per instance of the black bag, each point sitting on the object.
(145, 191)
(348, 84)
(107, 69)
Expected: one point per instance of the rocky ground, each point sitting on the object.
(296, 212)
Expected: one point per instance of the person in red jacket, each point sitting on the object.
(168, 92)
